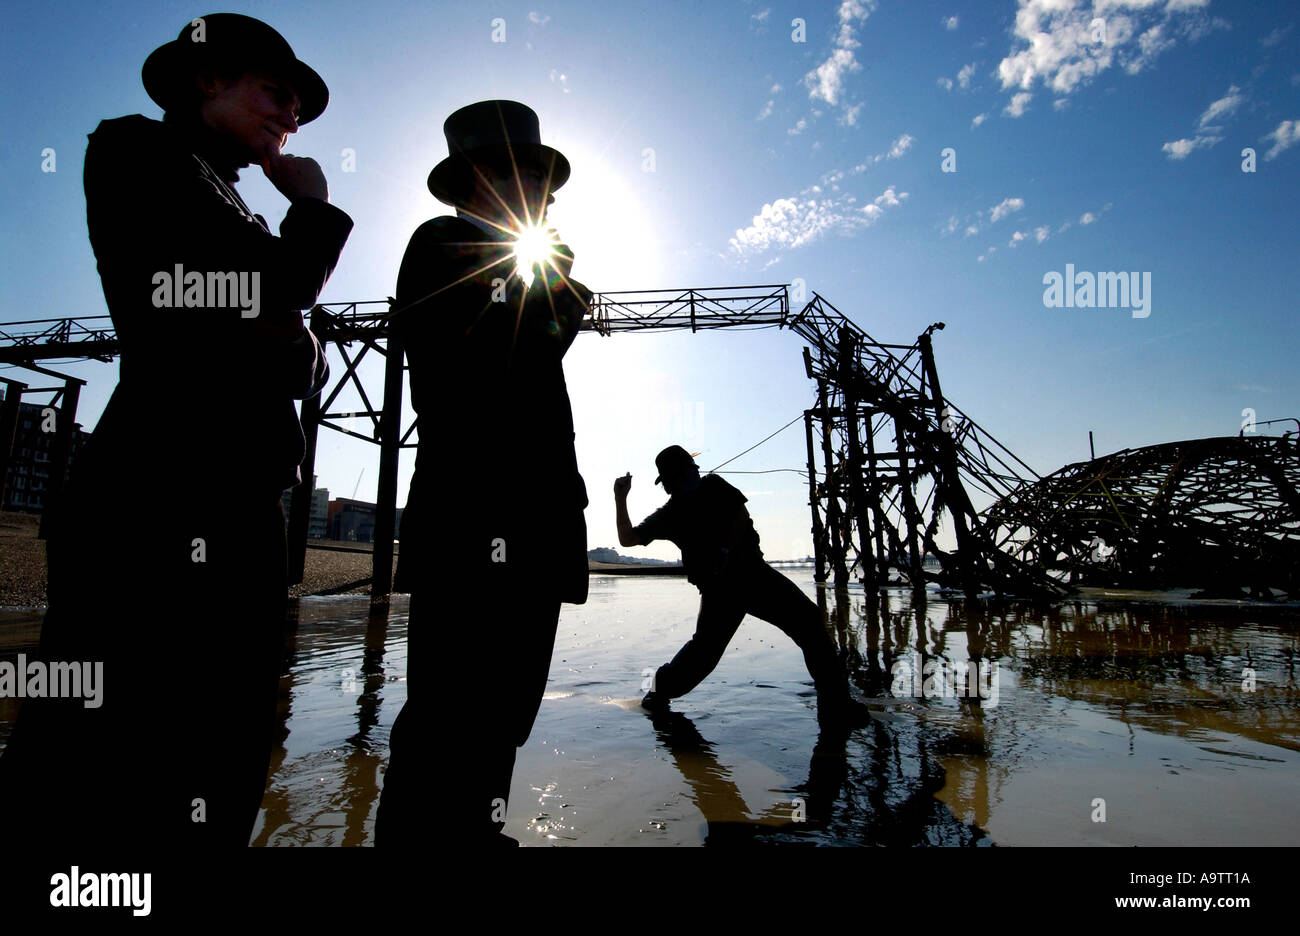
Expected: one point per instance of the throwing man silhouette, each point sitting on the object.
(707, 519)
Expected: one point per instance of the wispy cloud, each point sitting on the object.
(1276, 36)
(787, 223)
(895, 151)
(1005, 207)
(557, 77)
(1284, 136)
(977, 120)
(826, 81)
(1208, 132)
(900, 146)
(1016, 106)
(1225, 106)
(538, 19)
(962, 81)
(1182, 148)
(950, 23)
(798, 128)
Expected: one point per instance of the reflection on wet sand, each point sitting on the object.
(1183, 717)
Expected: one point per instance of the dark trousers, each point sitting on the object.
(184, 605)
(476, 674)
(758, 589)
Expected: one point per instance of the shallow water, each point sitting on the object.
(1139, 704)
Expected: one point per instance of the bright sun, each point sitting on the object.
(599, 215)
(533, 245)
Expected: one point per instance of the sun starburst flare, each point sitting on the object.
(534, 246)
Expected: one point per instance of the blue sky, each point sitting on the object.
(711, 148)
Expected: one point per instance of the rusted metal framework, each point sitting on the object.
(1220, 514)
(892, 463)
(897, 458)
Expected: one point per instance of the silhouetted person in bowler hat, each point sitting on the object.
(707, 519)
(495, 509)
(166, 553)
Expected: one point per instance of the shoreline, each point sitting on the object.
(332, 567)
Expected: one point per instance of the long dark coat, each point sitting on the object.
(167, 551)
(496, 461)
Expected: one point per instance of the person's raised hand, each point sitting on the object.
(622, 485)
(296, 176)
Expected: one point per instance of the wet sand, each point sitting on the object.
(1137, 703)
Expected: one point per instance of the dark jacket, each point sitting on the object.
(496, 458)
(202, 385)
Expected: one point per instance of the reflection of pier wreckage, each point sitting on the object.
(897, 461)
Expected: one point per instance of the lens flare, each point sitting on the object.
(533, 246)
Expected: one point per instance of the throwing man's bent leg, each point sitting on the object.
(720, 614)
(771, 596)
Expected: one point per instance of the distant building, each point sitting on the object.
(27, 482)
(318, 519)
(351, 520)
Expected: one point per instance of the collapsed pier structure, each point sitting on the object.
(892, 461)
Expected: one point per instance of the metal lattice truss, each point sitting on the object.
(897, 462)
(1221, 513)
(45, 339)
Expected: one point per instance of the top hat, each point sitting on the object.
(672, 460)
(500, 134)
(225, 39)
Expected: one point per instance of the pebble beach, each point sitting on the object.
(328, 570)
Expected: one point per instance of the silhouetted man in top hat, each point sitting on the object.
(707, 519)
(184, 602)
(487, 559)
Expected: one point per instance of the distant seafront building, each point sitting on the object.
(318, 519)
(27, 482)
(353, 521)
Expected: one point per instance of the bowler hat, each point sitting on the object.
(223, 40)
(500, 134)
(672, 460)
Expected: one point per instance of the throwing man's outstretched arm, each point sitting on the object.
(627, 535)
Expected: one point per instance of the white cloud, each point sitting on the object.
(963, 78)
(1016, 238)
(978, 119)
(1019, 101)
(766, 112)
(1284, 136)
(761, 16)
(850, 116)
(798, 128)
(1179, 149)
(776, 89)
(1207, 134)
(557, 77)
(950, 23)
(1005, 207)
(1087, 218)
(1041, 233)
(535, 17)
(826, 81)
(971, 230)
(1276, 36)
(794, 222)
(900, 146)
(1057, 44)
